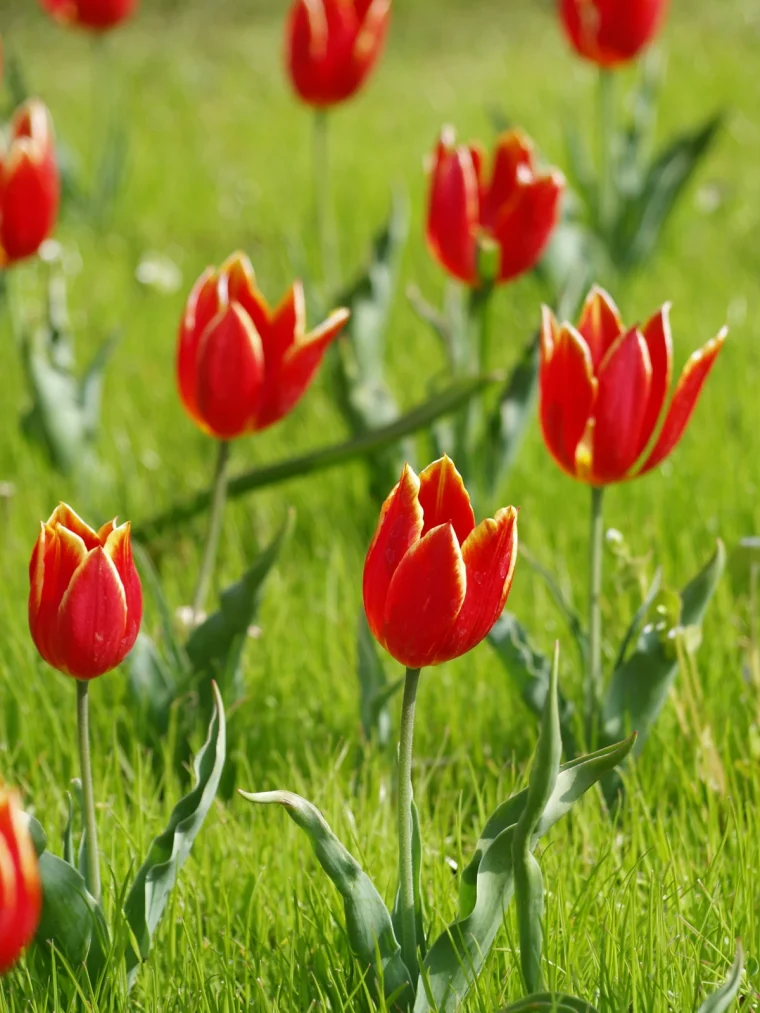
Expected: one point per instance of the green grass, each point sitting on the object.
(642, 915)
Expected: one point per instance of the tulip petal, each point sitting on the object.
(202, 306)
(374, 18)
(399, 527)
(524, 225)
(568, 389)
(600, 324)
(425, 597)
(657, 335)
(10, 948)
(489, 554)
(453, 209)
(684, 401)
(625, 378)
(119, 548)
(513, 154)
(238, 275)
(444, 499)
(287, 382)
(92, 618)
(30, 196)
(57, 555)
(67, 518)
(287, 327)
(230, 374)
(20, 892)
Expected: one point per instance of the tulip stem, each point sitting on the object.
(480, 322)
(85, 766)
(325, 225)
(607, 200)
(218, 500)
(594, 682)
(405, 825)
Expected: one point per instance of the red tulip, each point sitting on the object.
(20, 891)
(610, 32)
(85, 599)
(603, 390)
(241, 366)
(517, 208)
(29, 184)
(332, 45)
(434, 584)
(95, 15)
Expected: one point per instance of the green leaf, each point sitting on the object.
(638, 231)
(550, 1002)
(723, 999)
(153, 687)
(530, 670)
(455, 959)
(529, 883)
(444, 403)
(373, 684)
(38, 835)
(169, 851)
(633, 630)
(368, 923)
(640, 686)
(566, 608)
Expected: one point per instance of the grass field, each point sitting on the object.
(642, 915)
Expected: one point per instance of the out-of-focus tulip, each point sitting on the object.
(85, 599)
(434, 583)
(94, 15)
(603, 391)
(29, 183)
(610, 32)
(331, 46)
(20, 891)
(517, 208)
(241, 366)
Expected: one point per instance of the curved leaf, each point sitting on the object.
(71, 919)
(722, 1000)
(550, 1002)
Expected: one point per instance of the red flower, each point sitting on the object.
(517, 208)
(85, 599)
(434, 584)
(29, 184)
(96, 15)
(332, 45)
(242, 366)
(603, 390)
(610, 32)
(20, 891)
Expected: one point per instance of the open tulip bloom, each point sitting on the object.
(20, 891)
(611, 32)
(29, 183)
(332, 46)
(94, 15)
(515, 207)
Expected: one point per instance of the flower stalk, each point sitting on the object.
(88, 796)
(405, 824)
(216, 517)
(594, 681)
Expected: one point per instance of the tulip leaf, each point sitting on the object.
(723, 999)
(153, 685)
(639, 687)
(373, 684)
(368, 922)
(36, 832)
(168, 852)
(487, 884)
(550, 1002)
(444, 403)
(633, 630)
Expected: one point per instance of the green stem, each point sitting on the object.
(325, 225)
(85, 765)
(607, 201)
(480, 325)
(218, 500)
(594, 687)
(405, 826)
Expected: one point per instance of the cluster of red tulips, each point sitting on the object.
(435, 581)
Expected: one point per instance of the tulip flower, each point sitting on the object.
(434, 583)
(242, 366)
(611, 32)
(516, 209)
(603, 391)
(29, 183)
(20, 890)
(94, 15)
(85, 599)
(332, 46)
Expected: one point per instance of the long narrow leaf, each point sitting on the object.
(722, 1000)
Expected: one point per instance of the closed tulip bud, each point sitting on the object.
(85, 599)
(434, 583)
(242, 366)
(516, 208)
(603, 390)
(94, 15)
(29, 183)
(20, 890)
(611, 32)
(332, 46)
